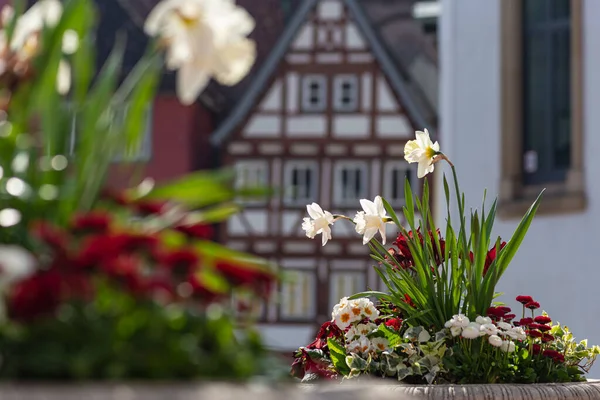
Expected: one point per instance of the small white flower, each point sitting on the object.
(16, 264)
(43, 13)
(371, 220)
(517, 333)
(507, 346)
(365, 329)
(70, 42)
(504, 325)
(362, 345)
(380, 344)
(422, 151)
(483, 320)
(205, 38)
(459, 320)
(455, 330)
(352, 333)
(343, 317)
(471, 331)
(63, 77)
(495, 340)
(489, 329)
(318, 223)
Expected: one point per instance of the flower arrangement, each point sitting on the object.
(438, 322)
(116, 285)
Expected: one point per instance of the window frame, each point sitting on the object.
(338, 167)
(515, 196)
(313, 303)
(289, 167)
(388, 169)
(338, 92)
(244, 164)
(307, 105)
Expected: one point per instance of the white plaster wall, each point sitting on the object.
(557, 263)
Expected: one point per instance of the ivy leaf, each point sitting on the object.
(338, 356)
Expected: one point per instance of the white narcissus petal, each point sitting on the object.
(234, 62)
(369, 207)
(369, 234)
(314, 210)
(157, 16)
(70, 42)
(190, 82)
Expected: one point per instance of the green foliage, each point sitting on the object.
(117, 337)
(445, 279)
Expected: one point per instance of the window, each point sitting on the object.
(314, 93)
(298, 296)
(251, 174)
(395, 175)
(541, 106)
(350, 182)
(546, 90)
(345, 93)
(343, 284)
(300, 182)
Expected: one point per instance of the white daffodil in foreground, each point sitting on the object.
(318, 222)
(204, 39)
(371, 220)
(422, 151)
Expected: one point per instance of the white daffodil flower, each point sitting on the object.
(204, 39)
(422, 151)
(43, 13)
(371, 220)
(318, 222)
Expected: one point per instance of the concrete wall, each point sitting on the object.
(558, 262)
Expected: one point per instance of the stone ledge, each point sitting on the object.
(350, 391)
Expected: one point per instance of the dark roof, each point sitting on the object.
(411, 96)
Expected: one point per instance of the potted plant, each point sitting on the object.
(99, 285)
(439, 324)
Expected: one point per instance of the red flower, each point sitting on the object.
(327, 330)
(524, 299)
(540, 327)
(490, 257)
(509, 317)
(53, 236)
(532, 305)
(394, 323)
(525, 321)
(554, 355)
(404, 256)
(182, 261)
(35, 296)
(125, 269)
(95, 221)
(149, 207)
(547, 338)
(196, 231)
(408, 301)
(537, 349)
(542, 319)
(534, 334)
(497, 312)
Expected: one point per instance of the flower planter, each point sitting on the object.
(350, 391)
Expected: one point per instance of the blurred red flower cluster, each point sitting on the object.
(95, 247)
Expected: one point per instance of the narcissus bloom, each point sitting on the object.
(371, 220)
(422, 151)
(318, 222)
(204, 38)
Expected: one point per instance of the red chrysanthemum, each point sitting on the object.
(536, 348)
(542, 319)
(547, 338)
(38, 295)
(532, 305)
(509, 317)
(525, 321)
(535, 334)
(196, 231)
(497, 312)
(554, 355)
(53, 236)
(540, 327)
(92, 222)
(524, 299)
(182, 262)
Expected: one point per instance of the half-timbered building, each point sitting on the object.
(325, 119)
